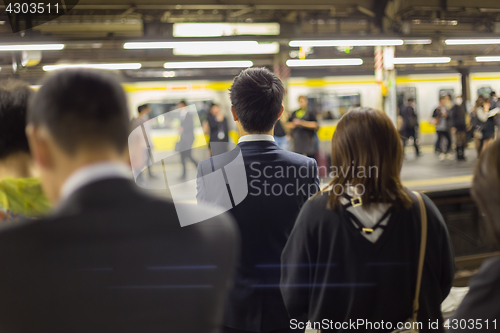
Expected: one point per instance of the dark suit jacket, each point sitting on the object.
(114, 259)
(265, 221)
(482, 302)
(187, 136)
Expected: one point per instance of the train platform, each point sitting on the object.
(426, 173)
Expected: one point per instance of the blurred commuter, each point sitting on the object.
(216, 127)
(281, 137)
(20, 193)
(440, 116)
(304, 125)
(186, 131)
(142, 119)
(410, 125)
(477, 125)
(486, 117)
(458, 115)
(494, 100)
(279, 182)
(480, 305)
(354, 251)
(109, 258)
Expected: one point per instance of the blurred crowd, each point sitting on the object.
(84, 249)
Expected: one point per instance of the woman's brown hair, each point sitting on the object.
(486, 186)
(367, 152)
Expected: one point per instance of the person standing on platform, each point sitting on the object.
(217, 129)
(279, 183)
(356, 250)
(480, 305)
(304, 125)
(440, 116)
(21, 194)
(185, 143)
(410, 125)
(142, 119)
(110, 257)
(280, 135)
(487, 115)
(458, 115)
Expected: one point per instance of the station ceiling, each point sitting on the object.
(95, 31)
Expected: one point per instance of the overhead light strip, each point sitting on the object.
(224, 29)
(208, 64)
(488, 59)
(474, 41)
(335, 43)
(172, 45)
(218, 49)
(421, 60)
(324, 62)
(118, 66)
(32, 47)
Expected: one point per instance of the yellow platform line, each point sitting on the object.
(438, 181)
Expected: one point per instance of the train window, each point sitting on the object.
(448, 91)
(171, 120)
(484, 91)
(333, 105)
(404, 93)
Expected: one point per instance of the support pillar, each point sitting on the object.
(389, 84)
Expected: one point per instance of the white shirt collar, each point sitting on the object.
(256, 137)
(93, 173)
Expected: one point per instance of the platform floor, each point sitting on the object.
(428, 173)
(425, 173)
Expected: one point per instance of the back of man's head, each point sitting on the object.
(257, 96)
(82, 109)
(14, 97)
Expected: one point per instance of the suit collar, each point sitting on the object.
(270, 145)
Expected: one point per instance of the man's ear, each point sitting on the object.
(39, 146)
(233, 111)
(281, 111)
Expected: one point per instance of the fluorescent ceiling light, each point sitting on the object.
(418, 41)
(369, 42)
(32, 47)
(224, 29)
(421, 60)
(172, 45)
(475, 41)
(217, 48)
(209, 64)
(133, 65)
(323, 62)
(487, 59)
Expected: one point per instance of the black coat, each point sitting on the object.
(113, 259)
(265, 221)
(331, 271)
(481, 305)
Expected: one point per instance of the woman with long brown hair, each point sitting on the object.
(480, 305)
(354, 251)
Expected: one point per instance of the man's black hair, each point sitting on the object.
(82, 108)
(492, 94)
(183, 102)
(140, 108)
(411, 99)
(257, 96)
(14, 97)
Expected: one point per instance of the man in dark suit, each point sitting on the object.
(110, 258)
(278, 184)
(186, 137)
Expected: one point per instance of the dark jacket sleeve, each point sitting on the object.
(296, 266)
(481, 302)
